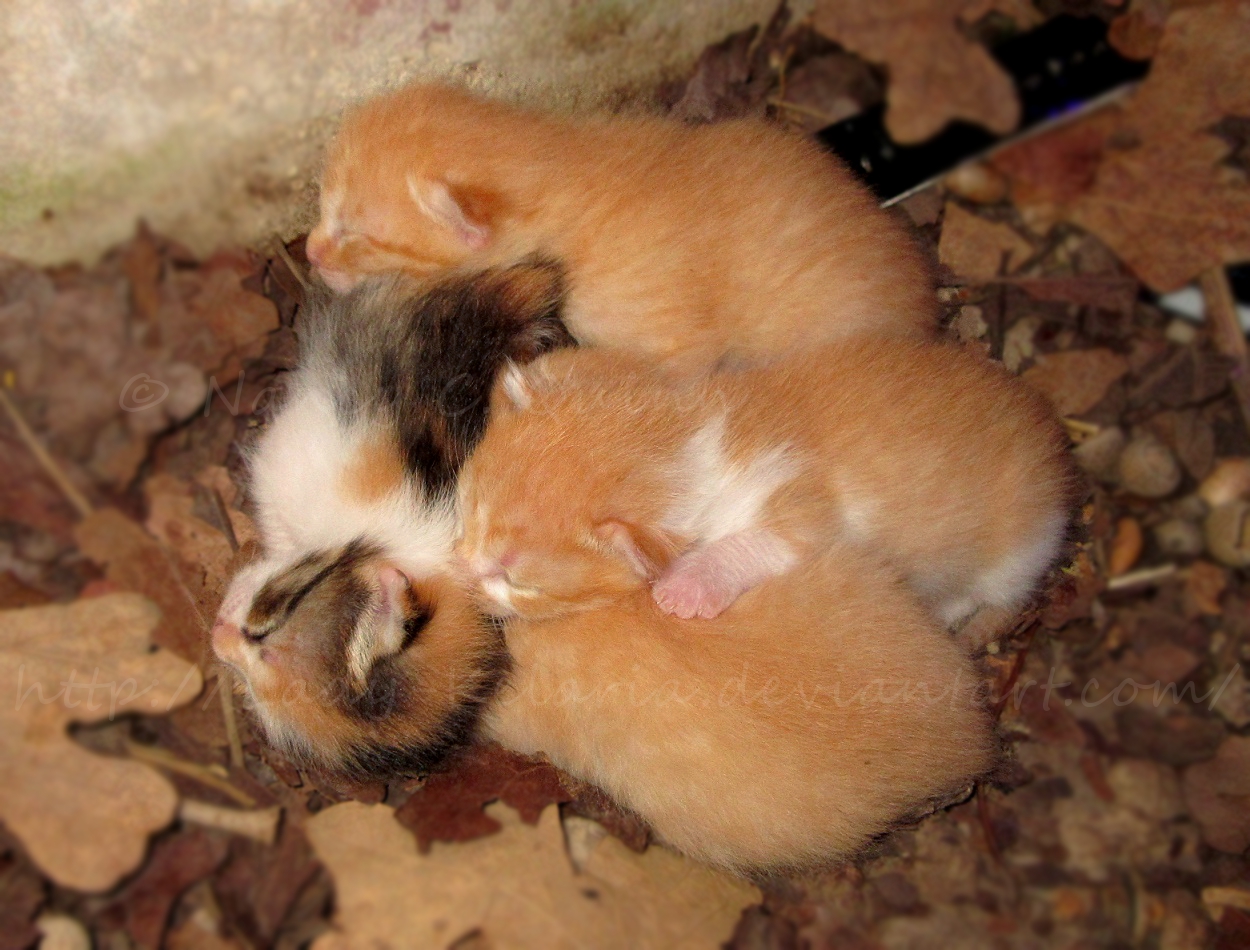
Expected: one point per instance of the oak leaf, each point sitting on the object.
(1076, 380)
(516, 887)
(1216, 792)
(449, 806)
(1155, 178)
(979, 250)
(936, 73)
(83, 818)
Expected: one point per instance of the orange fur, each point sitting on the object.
(375, 473)
(825, 708)
(954, 470)
(691, 244)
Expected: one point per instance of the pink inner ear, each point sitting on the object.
(438, 201)
(620, 538)
(394, 584)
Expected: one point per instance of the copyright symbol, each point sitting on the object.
(142, 392)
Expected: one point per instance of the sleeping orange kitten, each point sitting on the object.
(597, 473)
(688, 243)
(826, 707)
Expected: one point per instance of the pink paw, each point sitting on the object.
(683, 593)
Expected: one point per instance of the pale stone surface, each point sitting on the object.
(208, 118)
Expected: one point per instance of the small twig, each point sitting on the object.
(192, 770)
(225, 686)
(1142, 577)
(1017, 665)
(1226, 333)
(259, 825)
(42, 456)
(1080, 427)
(296, 271)
(803, 110)
(987, 825)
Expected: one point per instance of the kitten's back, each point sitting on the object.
(819, 710)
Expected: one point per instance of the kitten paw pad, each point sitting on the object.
(687, 596)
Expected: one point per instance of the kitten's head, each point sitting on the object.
(352, 665)
(547, 499)
(403, 188)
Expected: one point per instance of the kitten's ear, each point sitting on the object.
(467, 213)
(646, 551)
(372, 641)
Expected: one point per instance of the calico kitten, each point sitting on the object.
(826, 707)
(355, 616)
(691, 244)
(599, 473)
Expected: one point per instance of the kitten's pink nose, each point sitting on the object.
(489, 569)
(315, 250)
(226, 638)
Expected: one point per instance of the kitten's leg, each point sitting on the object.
(706, 580)
(986, 625)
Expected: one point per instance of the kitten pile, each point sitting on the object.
(726, 559)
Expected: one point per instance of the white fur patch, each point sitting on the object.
(295, 473)
(1015, 577)
(718, 497)
(498, 590)
(516, 386)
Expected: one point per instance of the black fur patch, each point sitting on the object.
(427, 360)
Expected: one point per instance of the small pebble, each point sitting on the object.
(1148, 468)
(1227, 532)
(62, 932)
(1181, 331)
(1228, 481)
(970, 324)
(1126, 546)
(1177, 537)
(977, 182)
(1100, 453)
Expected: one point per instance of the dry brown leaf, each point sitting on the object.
(1168, 207)
(936, 73)
(979, 250)
(134, 560)
(1204, 587)
(517, 887)
(449, 806)
(1217, 792)
(1136, 32)
(1076, 380)
(83, 818)
(179, 514)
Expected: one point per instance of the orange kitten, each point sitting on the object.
(596, 473)
(826, 708)
(688, 243)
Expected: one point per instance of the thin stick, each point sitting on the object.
(1080, 427)
(192, 770)
(804, 110)
(259, 825)
(1142, 577)
(42, 456)
(1226, 333)
(225, 686)
(296, 271)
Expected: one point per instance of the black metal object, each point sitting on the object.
(1059, 69)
